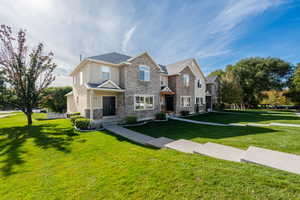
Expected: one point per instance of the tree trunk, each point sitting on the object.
(29, 118)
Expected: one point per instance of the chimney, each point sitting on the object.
(80, 57)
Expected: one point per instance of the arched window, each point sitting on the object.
(186, 80)
(144, 73)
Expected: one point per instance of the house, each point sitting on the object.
(115, 85)
(212, 88)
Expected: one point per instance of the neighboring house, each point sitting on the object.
(114, 85)
(212, 88)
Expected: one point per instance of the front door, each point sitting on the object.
(109, 105)
(170, 102)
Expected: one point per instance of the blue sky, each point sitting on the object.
(216, 33)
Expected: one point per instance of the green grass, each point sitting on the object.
(51, 161)
(250, 117)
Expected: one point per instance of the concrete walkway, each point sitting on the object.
(275, 159)
(266, 157)
(129, 134)
(199, 122)
(183, 145)
(233, 124)
(220, 151)
(3, 116)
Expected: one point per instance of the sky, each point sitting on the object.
(216, 33)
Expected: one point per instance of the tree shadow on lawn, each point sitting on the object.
(236, 118)
(44, 136)
(184, 130)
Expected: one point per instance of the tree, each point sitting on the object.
(54, 98)
(260, 74)
(27, 74)
(275, 98)
(230, 91)
(218, 72)
(294, 86)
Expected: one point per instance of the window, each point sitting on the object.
(161, 81)
(186, 80)
(144, 73)
(77, 99)
(105, 73)
(199, 83)
(201, 101)
(81, 78)
(144, 102)
(185, 101)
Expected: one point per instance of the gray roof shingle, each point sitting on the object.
(117, 58)
(113, 57)
(163, 68)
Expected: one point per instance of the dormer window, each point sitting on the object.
(144, 73)
(199, 83)
(186, 80)
(105, 75)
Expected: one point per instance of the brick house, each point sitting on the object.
(113, 85)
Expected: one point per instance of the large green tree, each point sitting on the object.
(54, 98)
(26, 74)
(294, 86)
(257, 74)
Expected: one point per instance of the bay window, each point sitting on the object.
(144, 102)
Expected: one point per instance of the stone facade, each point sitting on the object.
(134, 86)
(98, 113)
(176, 84)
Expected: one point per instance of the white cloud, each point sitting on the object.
(237, 11)
(201, 29)
(127, 38)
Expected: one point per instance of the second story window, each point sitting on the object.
(144, 73)
(186, 80)
(199, 83)
(105, 75)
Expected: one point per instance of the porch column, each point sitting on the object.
(91, 105)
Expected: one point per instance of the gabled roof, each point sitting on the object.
(107, 85)
(113, 57)
(177, 67)
(211, 79)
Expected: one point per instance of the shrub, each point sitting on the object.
(184, 112)
(130, 119)
(160, 116)
(69, 115)
(83, 124)
(74, 118)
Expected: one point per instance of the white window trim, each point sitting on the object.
(149, 72)
(182, 103)
(143, 95)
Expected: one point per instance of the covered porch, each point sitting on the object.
(167, 100)
(104, 101)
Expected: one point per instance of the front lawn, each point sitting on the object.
(284, 139)
(249, 117)
(51, 161)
